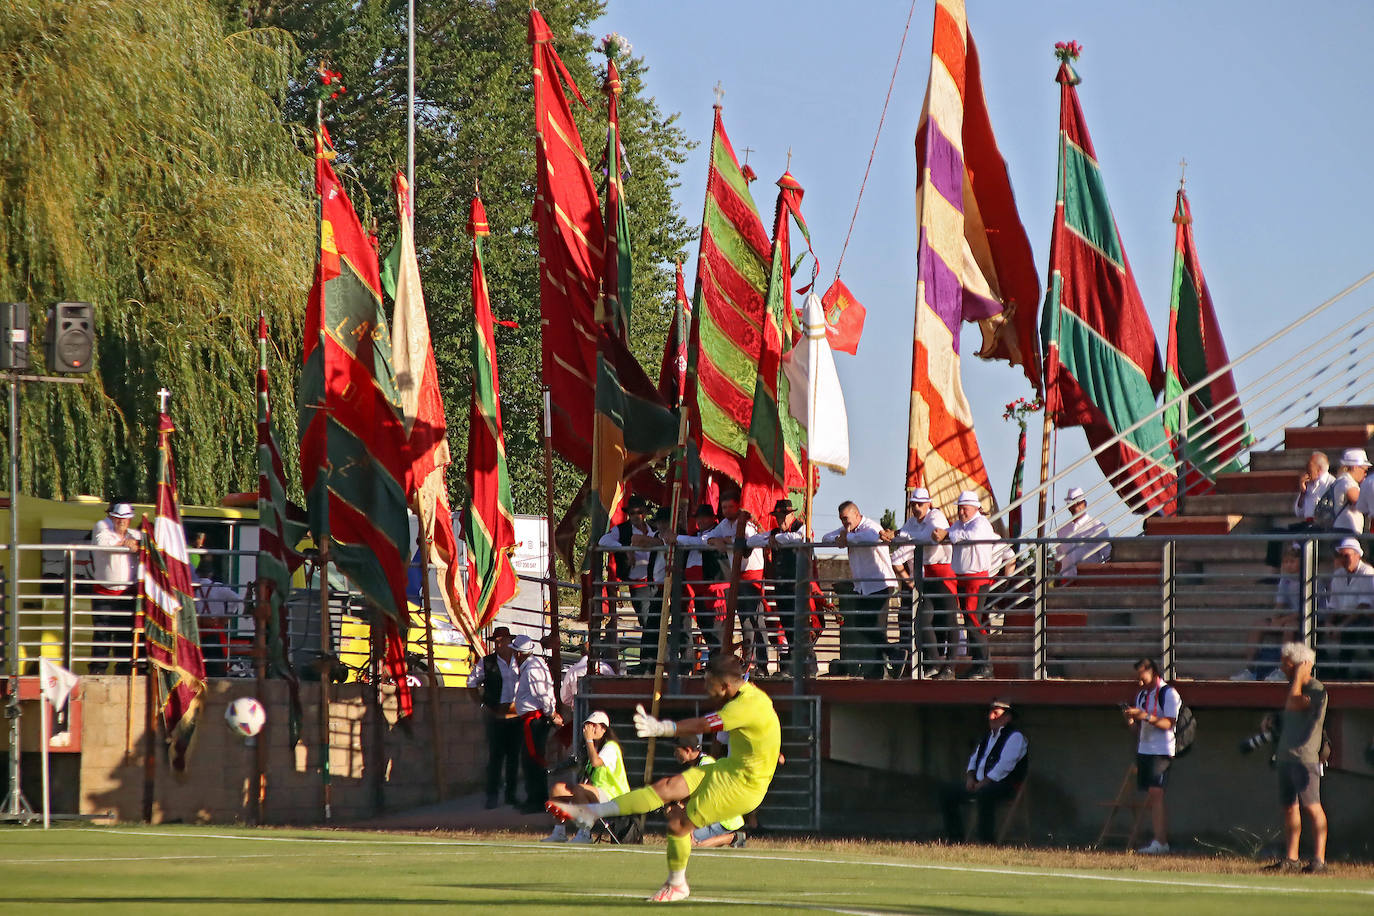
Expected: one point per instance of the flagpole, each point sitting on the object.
(433, 680)
(325, 663)
(410, 97)
(44, 720)
(261, 609)
(555, 652)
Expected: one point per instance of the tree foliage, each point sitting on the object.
(145, 167)
(475, 122)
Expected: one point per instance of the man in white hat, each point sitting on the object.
(113, 573)
(1351, 610)
(935, 620)
(1080, 525)
(1346, 492)
(975, 542)
(537, 710)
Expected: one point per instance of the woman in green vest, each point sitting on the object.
(604, 771)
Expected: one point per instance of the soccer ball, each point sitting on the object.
(245, 716)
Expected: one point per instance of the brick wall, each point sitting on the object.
(366, 777)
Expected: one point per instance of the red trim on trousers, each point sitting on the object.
(970, 585)
(526, 719)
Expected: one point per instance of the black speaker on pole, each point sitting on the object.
(14, 335)
(70, 337)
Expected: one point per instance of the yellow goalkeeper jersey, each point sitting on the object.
(755, 736)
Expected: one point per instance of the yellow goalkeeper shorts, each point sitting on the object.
(718, 793)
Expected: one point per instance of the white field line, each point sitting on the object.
(1305, 888)
(733, 901)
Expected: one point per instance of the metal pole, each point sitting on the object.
(433, 681)
(1308, 622)
(17, 807)
(1041, 591)
(555, 652)
(410, 99)
(801, 619)
(326, 671)
(261, 609)
(1168, 576)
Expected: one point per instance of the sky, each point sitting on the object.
(1267, 101)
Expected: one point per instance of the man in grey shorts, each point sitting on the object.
(1299, 772)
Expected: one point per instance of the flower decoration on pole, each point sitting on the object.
(615, 46)
(1018, 410)
(1067, 50)
(331, 83)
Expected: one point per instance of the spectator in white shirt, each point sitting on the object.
(870, 570)
(1080, 525)
(995, 771)
(781, 568)
(936, 613)
(573, 675)
(113, 572)
(493, 681)
(217, 604)
(975, 545)
(1354, 467)
(748, 605)
(701, 588)
(537, 708)
(1351, 614)
(640, 570)
(1312, 485)
(1152, 716)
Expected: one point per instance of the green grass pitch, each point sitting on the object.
(116, 870)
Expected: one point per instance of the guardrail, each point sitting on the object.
(1206, 606)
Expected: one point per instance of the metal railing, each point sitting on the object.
(65, 616)
(1209, 607)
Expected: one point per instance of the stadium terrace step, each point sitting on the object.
(1345, 415)
(1117, 573)
(1329, 438)
(1192, 524)
(1280, 481)
(1269, 505)
(1221, 549)
(1291, 460)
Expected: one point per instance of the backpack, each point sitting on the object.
(1324, 513)
(1185, 727)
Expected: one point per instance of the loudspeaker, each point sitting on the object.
(14, 335)
(70, 337)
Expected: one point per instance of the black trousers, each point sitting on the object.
(645, 598)
(504, 739)
(113, 616)
(954, 795)
(868, 621)
(532, 760)
(936, 624)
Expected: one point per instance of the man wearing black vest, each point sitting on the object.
(996, 770)
(780, 566)
(495, 678)
(640, 570)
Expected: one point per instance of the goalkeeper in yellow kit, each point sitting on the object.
(707, 794)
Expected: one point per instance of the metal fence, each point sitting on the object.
(794, 796)
(1208, 607)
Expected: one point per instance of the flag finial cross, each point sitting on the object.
(1182, 172)
(720, 94)
(162, 396)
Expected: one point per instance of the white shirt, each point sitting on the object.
(567, 692)
(113, 568)
(1305, 506)
(919, 532)
(1164, 704)
(1070, 555)
(534, 688)
(1352, 591)
(214, 599)
(1365, 504)
(509, 675)
(726, 529)
(1348, 515)
(1012, 752)
(870, 565)
(973, 558)
(639, 559)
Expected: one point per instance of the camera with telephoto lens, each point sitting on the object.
(1266, 735)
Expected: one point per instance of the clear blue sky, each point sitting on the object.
(1268, 101)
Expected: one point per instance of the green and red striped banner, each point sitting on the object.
(489, 522)
(616, 277)
(1102, 366)
(727, 314)
(1208, 427)
(168, 609)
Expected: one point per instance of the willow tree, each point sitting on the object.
(145, 167)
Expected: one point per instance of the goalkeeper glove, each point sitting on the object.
(646, 726)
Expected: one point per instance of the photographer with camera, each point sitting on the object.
(1297, 759)
(1153, 715)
